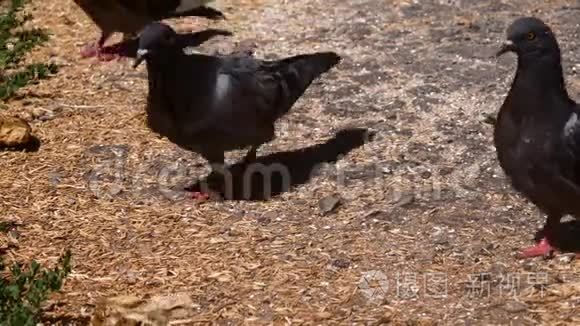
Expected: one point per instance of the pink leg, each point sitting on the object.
(542, 248)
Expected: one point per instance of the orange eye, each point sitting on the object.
(531, 36)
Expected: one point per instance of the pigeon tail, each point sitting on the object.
(301, 70)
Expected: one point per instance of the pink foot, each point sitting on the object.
(541, 249)
(201, 196)
(89, 51)
(102, 54)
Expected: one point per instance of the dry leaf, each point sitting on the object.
(131, 310)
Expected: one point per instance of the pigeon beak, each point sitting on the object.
(141, 54)
(508, 46)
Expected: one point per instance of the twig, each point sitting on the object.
(71, 106)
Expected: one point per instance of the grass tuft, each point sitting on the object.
(15, 43)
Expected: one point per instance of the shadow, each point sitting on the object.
(32, 94)
(281, 172)
(129, 47)
(66, 320)
(33, 145)
(567, 237)
(6, 226)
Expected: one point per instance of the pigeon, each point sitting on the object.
(537, 133)
(213, 104)
(130, 16)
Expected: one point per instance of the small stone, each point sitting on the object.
(386, 170)
(266, 218)
(14, 132)
(341, 263)
(55, 178)
(329, 204)
(13, 236)
(323, 315)
(377, 215)
(491, 246)
(515, 306)
(115, 189)
(441, 240)
(566, 258)
(497, 269)
(445, 171)
(405, 200)
(489, 119)
(529, 266)
(42, 114)
(131, 278)
(245, 47)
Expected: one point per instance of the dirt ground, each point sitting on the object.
(427, 228)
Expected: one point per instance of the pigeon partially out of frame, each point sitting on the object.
(130, 16)
(537, 133)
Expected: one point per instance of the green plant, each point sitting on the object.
(24, 290)
(14, 44)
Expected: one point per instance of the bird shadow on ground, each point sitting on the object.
(33, 145)
(281, 172)
(567, 237)
(129, 48)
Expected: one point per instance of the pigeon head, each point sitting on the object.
(154, 38)
(529, 36)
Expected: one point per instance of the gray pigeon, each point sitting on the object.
(537, 134)
(130, 16)
(213, 104)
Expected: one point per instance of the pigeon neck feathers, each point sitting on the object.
(174, 58)
(171, 68)
(539, 74)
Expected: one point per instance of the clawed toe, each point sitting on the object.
(543, 248)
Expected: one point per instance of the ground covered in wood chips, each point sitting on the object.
(426, 229)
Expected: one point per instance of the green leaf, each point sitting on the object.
(22, 295)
